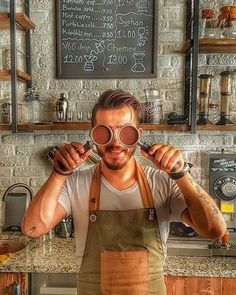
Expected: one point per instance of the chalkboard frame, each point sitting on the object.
(153, 73)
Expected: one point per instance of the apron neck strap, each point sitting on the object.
(145, 191)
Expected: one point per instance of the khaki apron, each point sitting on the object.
(123, 252)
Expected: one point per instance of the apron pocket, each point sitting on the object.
(124, 272)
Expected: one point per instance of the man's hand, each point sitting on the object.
(165, 157)
(70, 156)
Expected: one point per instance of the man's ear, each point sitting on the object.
(140, 131)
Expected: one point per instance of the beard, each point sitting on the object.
(116, 163)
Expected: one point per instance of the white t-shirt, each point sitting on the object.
(74, 197)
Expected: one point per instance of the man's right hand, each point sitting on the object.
(69, 156)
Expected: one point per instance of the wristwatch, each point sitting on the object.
(177, 175)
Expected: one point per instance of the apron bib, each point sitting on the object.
(123, 252)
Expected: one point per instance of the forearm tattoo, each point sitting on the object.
(29, 231)
(210, 203)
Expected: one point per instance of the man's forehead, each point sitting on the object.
(117, 116)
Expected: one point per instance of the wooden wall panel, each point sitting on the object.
(9, 278)
(200, 286)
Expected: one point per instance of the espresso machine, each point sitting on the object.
(221, 183)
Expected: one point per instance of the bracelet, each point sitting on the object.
(178, 175)
(62, 173)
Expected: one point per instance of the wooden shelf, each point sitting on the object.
(163, 127)
(230, 127)
(5, 127)
(5, 75)
(207, 45)
(210, 45)
(86, 126)
(22, 21)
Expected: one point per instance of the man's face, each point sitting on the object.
(114, 155)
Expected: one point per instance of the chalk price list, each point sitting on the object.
(106, 34)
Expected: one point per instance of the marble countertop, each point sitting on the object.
(57, 255)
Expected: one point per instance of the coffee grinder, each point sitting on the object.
(221, 183)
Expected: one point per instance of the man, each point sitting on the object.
(121, 210)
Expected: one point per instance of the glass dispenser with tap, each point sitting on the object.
(226, 95)
(204, 98)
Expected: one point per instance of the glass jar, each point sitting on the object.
(227, 22)
(208, 24)
(34, 105)
(152, 107)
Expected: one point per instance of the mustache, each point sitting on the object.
(114, 147)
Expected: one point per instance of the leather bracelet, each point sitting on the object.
(178, 175)
(62, 173)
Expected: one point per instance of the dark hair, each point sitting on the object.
(115, 98)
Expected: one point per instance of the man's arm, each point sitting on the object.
(202, 213)
(44, 212)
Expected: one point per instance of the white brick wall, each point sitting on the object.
(23, 156)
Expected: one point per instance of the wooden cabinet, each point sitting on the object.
(7, 280)
(176, 285)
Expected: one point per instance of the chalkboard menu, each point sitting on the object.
(99, 39)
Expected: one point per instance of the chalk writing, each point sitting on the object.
(107, 38)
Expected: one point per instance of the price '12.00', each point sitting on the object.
(73, 59)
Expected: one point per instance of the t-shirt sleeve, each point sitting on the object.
(177, 202)
(64, 197)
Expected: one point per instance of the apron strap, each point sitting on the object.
(95, 187)
(144, 188)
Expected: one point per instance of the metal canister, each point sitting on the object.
(62, 107)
